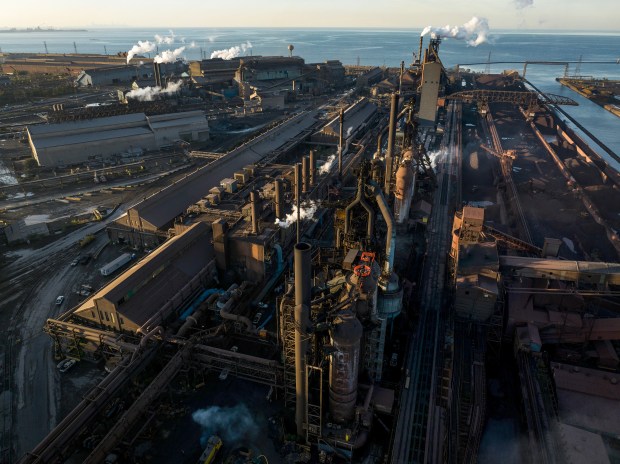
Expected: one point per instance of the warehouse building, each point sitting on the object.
(157, 286)
(77, 142)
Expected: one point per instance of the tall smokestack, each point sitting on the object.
(303, 288)
(298, 199)
(157, 73)
(305, 173)
(254, 208)
(279, 204)
(400, 80)
(420, 52)
(312, 168)
(340, 145)
(391, 140)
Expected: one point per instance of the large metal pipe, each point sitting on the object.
(341, 142)
(254, 199)
(390, 240)
(400, 80)
(278, 198)
(303, 300)
(391, 140)
(359, 199)
(312, 168)
(305, 174)
(420, 52)
(235, 296)
(298, 199)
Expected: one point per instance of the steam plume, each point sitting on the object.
(436, 157)
(140, 47)
(474, 32)
(232, 52)
(232, 425)
(149, 93)
(328, 165)
(163, 39)
(520, 4)
(169, 56)
(306, 212)
(349, 131)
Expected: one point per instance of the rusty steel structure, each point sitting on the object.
(526, 98)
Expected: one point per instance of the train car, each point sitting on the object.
(213, 446)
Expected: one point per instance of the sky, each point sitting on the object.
(577, 15)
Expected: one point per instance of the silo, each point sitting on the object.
(346, 335)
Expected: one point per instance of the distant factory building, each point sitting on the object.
(160, 284)
(126, 74)
(77, 142)
(269, 68)
(214, 70)
(22, 230)
(369, 78)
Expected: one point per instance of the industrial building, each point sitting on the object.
(369, 301)
(140, 73)
(100, 139)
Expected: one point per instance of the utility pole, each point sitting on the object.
(45, 45)
(75, 48)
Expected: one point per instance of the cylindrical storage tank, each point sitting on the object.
(346, 336)
(390, 298)
(405, 182)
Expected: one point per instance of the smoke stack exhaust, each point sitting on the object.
(420, 51)
(254, 209)
(279, 204)
(312, 168)
(340, 143)
(303, 289)
(391, 140)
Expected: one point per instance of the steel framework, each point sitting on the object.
(525, 98)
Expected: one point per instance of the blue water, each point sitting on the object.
(374, 47)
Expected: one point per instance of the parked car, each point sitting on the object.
(66, 364)
(224, 374)
(257, 318)
(85, 259)
(75, 262)
(234, 349)
(59, 300)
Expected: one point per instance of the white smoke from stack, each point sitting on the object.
(436, 157)
(306, 211)
(349, 132)
(163, 39)
(233, 425)
(169, 56)
(328, 165)
(140, 47)
(520, 4)
(149, 93)
(474, 32)
(232, 52)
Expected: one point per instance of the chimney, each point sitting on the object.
(254, 199)
(303, 295)
(278, 192)
(312, 168)
(298, 199)
(340, 143)
(391, 140)
(420, 52)
(157, 73)
(305, 173)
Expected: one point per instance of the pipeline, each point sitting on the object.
(390, 240)
(235, 295)
(159, 330)
(303, 299)
(205, 295)
(359, 198)
(192, 319)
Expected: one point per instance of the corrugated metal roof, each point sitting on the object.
(60, 140)
(354, 117)
(161, 208)
(96, 123)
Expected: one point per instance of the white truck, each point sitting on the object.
(113, 266)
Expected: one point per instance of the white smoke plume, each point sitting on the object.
(474, 32)
(149, 93)
(169, 56)
(437, 157)
(349, 131)
(165, 39)
(328, 165)
(140, 47)
(307, 211)
(232, 52)
(520, 4)
(232, 425)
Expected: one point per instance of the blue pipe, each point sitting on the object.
(203, 296)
